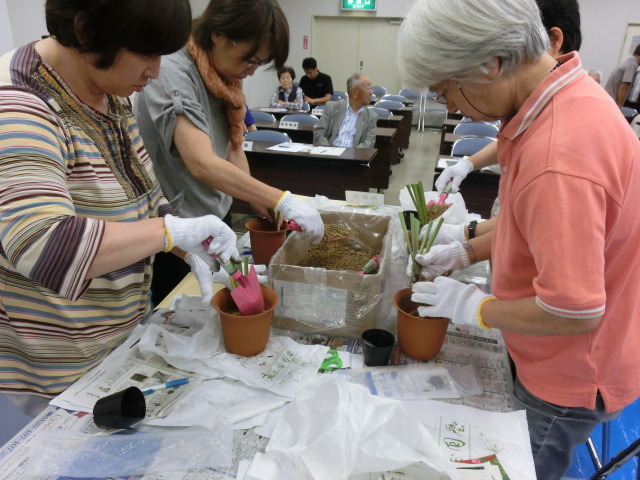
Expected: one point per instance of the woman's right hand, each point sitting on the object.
(189, 234)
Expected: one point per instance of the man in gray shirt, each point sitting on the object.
(622, 77)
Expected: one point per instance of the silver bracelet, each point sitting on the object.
(469, 249)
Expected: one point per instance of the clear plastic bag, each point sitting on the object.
(417, 382)
(129, 452)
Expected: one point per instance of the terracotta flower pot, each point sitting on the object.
(265, 240)
(245, 335)
(418, 337)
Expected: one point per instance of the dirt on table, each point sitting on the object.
(334, 254)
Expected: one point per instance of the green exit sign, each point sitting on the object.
(368, 5)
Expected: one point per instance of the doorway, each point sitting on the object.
(344, 46)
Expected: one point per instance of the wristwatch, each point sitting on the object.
(472, 229)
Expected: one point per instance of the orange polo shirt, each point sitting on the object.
(568, 233)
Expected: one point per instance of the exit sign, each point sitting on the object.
(368, 5)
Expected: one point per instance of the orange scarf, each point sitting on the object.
(230, 92)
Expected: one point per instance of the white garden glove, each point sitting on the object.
(440, 260)
(447, 234)
(449, 298)
(206, 278)
(305, 216)
(203, 274)
(189, 233)
(456, 173)
(221, 276)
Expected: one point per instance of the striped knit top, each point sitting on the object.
(65, 170)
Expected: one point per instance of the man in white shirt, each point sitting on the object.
(349, 123)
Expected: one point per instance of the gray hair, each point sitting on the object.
(460, 39)
(354, 81)
(597, 73)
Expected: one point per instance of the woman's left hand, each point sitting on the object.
(206, 278)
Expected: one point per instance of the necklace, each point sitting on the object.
(557, 65)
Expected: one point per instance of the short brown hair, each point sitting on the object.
(248, 21)
(103, 28)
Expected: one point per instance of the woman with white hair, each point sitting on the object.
(566, 242)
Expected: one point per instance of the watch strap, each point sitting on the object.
(472, 229)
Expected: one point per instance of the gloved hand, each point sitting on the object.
(450, 299)
(189, 233)
(447, 234)
(206, 278)
(307, 217)
(221, 276)
(440, 260)
(456, 173)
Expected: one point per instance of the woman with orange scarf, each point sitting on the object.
(191, 117)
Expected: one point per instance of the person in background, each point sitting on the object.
(622, 77)
(192, 120)
(561, 20)
(316, 86)
(565, 251)
(350, 123)
(249, 121)
(287, 95)
(81, 211)
(596, 75)
(633, 98)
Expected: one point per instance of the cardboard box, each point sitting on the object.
(332, 301)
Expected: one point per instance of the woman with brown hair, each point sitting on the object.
(81, 211)
(192, 116)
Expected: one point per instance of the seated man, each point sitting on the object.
(351, 123)
(317, 87)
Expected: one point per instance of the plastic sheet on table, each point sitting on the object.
(130, 452)
(417, 382)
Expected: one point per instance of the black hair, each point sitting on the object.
(564, 14)
(289, 70)
(637, 50)
(309, 63)
(245, 20)
(104, 27)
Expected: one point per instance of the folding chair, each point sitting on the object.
(263, 117)
(267, 136)
(379, 91)
(301, 118)
(603, 471)
(338, 96)
(381, 112)
(467, 146)
(479, 129)
(395, 98)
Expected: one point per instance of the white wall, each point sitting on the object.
(27, 20)
(603, 28)
(604, 24)
(300, 14)
(6, 33)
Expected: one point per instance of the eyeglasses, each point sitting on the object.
(256, 64)
(440, 97)
(253, 64)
